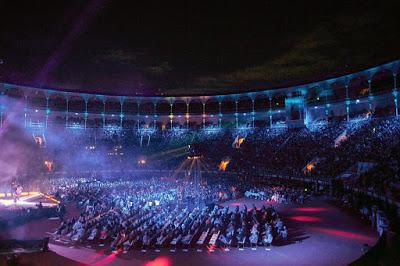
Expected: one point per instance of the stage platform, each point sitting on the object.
(27, 200)
(319, 234)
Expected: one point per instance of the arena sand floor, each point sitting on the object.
(319, 234)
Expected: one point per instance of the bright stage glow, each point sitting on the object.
(194, 157)
(9, 194)
(9, 202)
(26, 200)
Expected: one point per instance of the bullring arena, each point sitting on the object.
(199, 134)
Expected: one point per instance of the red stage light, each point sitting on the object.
(301, 218)
(106, 260)
(344, 234)
(159, 261)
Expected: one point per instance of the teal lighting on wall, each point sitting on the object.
(295, 100)
(325, 93)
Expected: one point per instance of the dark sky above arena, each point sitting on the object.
(191, 47)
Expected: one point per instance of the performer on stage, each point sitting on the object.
(16, 191)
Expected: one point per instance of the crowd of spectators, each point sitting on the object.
(160, 212)
(277, 193)
(332, 149)
(264, 150)
(274, 151)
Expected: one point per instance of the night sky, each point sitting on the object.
(191, 47)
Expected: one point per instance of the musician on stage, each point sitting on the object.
(16, 191)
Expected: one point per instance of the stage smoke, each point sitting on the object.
(18, 153)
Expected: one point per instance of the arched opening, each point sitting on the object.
(212, 106)
(196, 107)
(245, 104)
(261, 103)
(130, 107)
(278, 101)
(146, 108)
(113, 106)
(15, 93)
(163, 107)
(36, 100)
(313, 95)
(95, 105)
(228, 106)
(179, 107)
(358, 94)
(57, 102)
(76, 104)
(358, 87)
(382, 82)
(338, 92)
